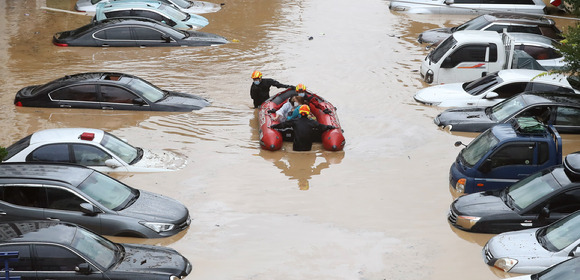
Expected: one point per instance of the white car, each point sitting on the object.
(493, 88)
(475, 7)
(190, 7)
(566, 270)
(94, 148)
(534, 250)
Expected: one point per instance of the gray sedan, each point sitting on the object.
(83, 196)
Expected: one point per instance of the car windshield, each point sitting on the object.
(120, 148)
(148, 91)
(478, 148)
(107, 191)
(529, 190)
(442, 49)
(508, 107)
(174, 13)
(561, 233)
(480, 85)
(98, 249)
(567, 270)
(475, 24)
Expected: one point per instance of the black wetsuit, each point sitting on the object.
(261, 92)
(305, 131)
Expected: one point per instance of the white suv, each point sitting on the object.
(468, 6)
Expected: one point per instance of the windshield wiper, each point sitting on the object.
(138, 157)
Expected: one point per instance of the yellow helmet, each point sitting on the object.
(304, 110)
(257, 75)
(300, 88)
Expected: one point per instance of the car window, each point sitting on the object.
(50, 153)
(114, 33)
(113, 94)
(150, 34)
(55, 258)
(17, 147)
(538, 52)
(89, 155)
(475, 53)
(75, 93)
(148, 14)
(567, 116)
(524, 29)
(517, 2)
(467, 1)
(24, 262)
(547, 87)
(513, 154)
(28, 196)
(510, 89)
(112, 14)
(497, 27)
(61, 199)
(565, 203)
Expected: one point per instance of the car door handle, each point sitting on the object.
(65, 106)
(105, 45)
(107, 108)
(53, 219)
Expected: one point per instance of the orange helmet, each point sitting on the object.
(304, 110)
(257, 75)
(300, 88)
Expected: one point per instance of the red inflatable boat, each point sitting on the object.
(271, 139)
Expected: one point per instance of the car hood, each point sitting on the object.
(435, 35)
(471, 119)
(192, 102)
(152, 259)
(436, 94)
(480, 205)
(519, 245)
(153, 207)
(159, 160)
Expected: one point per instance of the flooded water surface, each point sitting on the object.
(376, 210)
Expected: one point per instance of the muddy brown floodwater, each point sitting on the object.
(377, 210)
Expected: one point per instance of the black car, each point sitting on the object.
(81, 195)
(133, 32)
(56, 250)
(107, 91)
(559, 109)
(538, 200)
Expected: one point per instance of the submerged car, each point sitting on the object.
(536, 249)
(538, 200)
(187, 6)
(84, 196)
(58, 250)
(512, 22)
(558, 109)
(493, 88)
(106, 91)
(467, 6)
(94, 148)
(566, 270)
(134, 32)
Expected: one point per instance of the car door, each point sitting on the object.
(151, 37)
(465, 7)
(58, 262)
(75, 96)
(64, 205)
(470, 62)
(118, 98)
(94, 157)
(504, 91)
(559, 206)
(116, 36)
(22, 202)
(23, 266)
(567, 120)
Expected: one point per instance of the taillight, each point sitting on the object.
(61, 44)
(19, 104)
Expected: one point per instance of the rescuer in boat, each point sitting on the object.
(309, 99)
(260, 90)
(305, 129)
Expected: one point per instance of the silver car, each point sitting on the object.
(534, 250)
(473, 7)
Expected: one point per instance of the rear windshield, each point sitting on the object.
(475, 24)
(17, 147)
(482, 84)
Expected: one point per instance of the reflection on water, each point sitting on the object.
(477, 238)
(302, 166)
(149, 241)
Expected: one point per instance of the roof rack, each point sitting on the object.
(528, 125)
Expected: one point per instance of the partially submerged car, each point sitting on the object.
(151, 9)
(534, 250)
(566, 270)
(84, 196)
(538, 200)
(511, 22)
(58, 250)
(493, 88)
(467, 6)
(94, 148)
(562, 110)
(134, 32)
(106, 91)
(187, 6)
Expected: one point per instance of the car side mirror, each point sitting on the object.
(447, 63)
(491, 95)
(485, 166)
(83, 268)
(545, 212)
(449, 2)
(139, 101)
(166, 38)
(88, 209)
(112, 163)
(575, 252)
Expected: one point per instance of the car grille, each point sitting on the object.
(185, 223)
(487, 254)
(452, 217)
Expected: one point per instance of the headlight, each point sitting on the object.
(172, 277)
(467, 222)
(158, 227)
(460, 185)
(505, 264)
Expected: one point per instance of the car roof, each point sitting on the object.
(509, 75)
(479, 35)
(84, 77)
(37, 231)
(59, 135)
(60, 172)
(519, 18)
(532, 38)
(116, 5)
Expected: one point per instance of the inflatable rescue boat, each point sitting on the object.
(272, 139)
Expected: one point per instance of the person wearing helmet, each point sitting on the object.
(260, 90)
(309, 99)
(305, 129)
